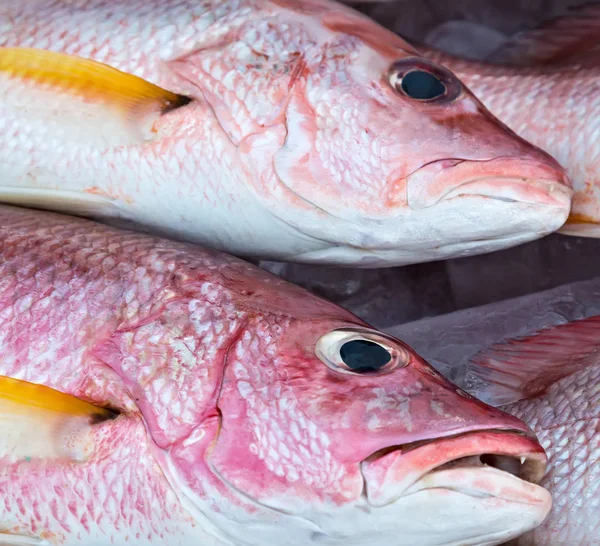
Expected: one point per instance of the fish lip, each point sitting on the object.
(547, 192)
(509, 179)
(398, 463)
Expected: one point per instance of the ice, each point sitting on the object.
(466, 39)
(449, 341)
(392, 296)
(382, 297)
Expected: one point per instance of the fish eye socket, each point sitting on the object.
(420, 80)
(360, 351)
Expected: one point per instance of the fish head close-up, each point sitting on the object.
(328, 432)
(388, 158)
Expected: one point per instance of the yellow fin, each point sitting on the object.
(86, 78)
(40, 422)
(76, 93)
(579, 225)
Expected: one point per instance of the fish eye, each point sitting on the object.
(421, 85)
(360, 351)
(421, 80)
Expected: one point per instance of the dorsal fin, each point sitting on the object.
(574, 36)
(525, 367)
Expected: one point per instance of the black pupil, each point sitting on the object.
(422, 85)
(364, 356)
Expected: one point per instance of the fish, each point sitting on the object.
(272, 130)
(154, 391)
(553, 376)
(542, 83)
(544, 368)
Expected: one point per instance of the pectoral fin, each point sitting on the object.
(40, 422)
(80, 99)
(525, 367)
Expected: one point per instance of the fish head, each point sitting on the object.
(326, 431)
(400, 161)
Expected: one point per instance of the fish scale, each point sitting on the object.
(60, 501)
(567, 419)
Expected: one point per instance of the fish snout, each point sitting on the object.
(525, 181)
(502, 464)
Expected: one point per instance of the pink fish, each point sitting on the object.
(552, 379)
(550, 100)
(155, 392)
(277, 129)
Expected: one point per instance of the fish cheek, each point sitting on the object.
(269, 448)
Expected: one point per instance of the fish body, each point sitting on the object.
(276, 129)
(555, 376)
(566, 418)
(543, 368)
(226, 406)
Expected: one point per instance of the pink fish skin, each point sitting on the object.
(552, 381)
(299, 143)
(237, 420)
(544, 86)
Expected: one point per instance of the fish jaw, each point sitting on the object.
(455, 470)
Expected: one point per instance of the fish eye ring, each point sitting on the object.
(359, 351)
(421, 80)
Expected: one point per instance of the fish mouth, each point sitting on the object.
(506, 465)
(501, 179)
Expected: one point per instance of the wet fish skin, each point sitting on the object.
(295, 145)
(554, 375)
(566, 420)
(231, 428)
(553, 107)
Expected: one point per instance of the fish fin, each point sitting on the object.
(40, 422)
(81, 203)
(526, 367)
(8, 539)
(81, 98)
(569, 37)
